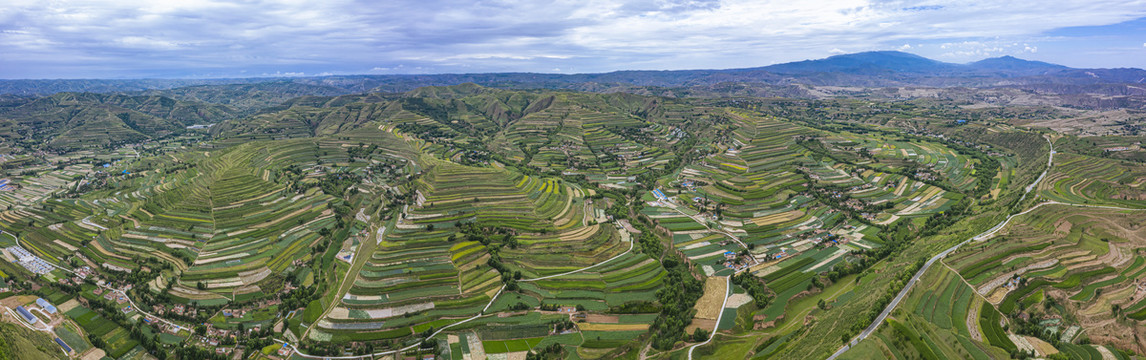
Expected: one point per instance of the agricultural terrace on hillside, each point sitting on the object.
(1090, 180)
(1090, 259)
(941, 318)
(568, 136)
(749, 189)
(432, 266)
(227, 223)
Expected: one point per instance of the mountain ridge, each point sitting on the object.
(865, 69)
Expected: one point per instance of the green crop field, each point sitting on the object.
(460, 220)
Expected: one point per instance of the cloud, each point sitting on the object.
(138, 38)
(146, 43)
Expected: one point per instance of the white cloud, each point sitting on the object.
(272, 36)
(285, 74)
(146, 43)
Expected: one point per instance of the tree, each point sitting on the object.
(699, 335)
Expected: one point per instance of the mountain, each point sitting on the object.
(866, 69)
(74, 120)
(868, 63)
(30, 87)
(901, 64)
(247, 98)
(1012, 65)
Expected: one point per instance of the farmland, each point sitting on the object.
(472, 222)
(1060, 277)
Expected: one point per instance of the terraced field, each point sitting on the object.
(784, 189)
(945, 319)
(1090, 180)
(489, 221)
(1056, 275)
(1088, 259)
(427, 271)
(225, 225)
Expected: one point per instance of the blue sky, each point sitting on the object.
(206, 38)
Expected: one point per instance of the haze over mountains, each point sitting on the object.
(867, 69)
(82, 112)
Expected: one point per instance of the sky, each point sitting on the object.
(252, 38)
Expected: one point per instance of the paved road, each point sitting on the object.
(587, 267)
(712, 335)
(927, 265)
(361, 255)
(114, 290)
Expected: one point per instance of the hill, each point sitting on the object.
(19, 343)
(246, 98)
(580, 224)
(73, 120)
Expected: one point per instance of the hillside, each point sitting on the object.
(246, 98)
(75, 120)
(466, 220)
(18, 343)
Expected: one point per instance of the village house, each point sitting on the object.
(285, 350)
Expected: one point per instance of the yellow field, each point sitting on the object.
(778, 218)
(612, 327)
(734, 166)
(709, 305)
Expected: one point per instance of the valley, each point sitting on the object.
(467, 222)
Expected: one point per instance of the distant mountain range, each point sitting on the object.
(866, 69)
(895, 63)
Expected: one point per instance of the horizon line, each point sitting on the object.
(332, 74)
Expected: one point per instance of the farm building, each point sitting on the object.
(27, 315)
(285, 350)
(46, 305)
(67, 349)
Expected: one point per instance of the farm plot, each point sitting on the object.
(427, 268)
(221, 218)
(117, 338)
(1090, 180)
(1055, 254)
(941, 318)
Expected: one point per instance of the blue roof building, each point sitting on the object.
(67, 349)
(27, 315)
(46, 305)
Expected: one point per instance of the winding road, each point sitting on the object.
(927, 265)
(712, 335)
